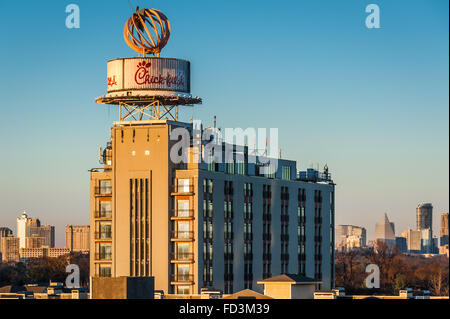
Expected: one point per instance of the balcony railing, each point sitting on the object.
(103, 214)
(182, 213)
(182, 189)
(103, 235)
(103, 190)
(103, 256)
(182, 234)
(182, 278)
(182, 256)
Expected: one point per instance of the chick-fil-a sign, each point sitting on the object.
(143, 76)
(165, 74)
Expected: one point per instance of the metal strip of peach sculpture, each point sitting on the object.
(139, 37)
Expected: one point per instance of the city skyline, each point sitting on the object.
(378, 99)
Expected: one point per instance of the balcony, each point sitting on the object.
(103, 235)
(248, 236)
(103, 191)
(183, 235)
(284, 237)
(318, 257)
(267, 237)
(285, 218)
(318, 220)
(103, 214)
(182, 257)
(182, 214)
(182, 279)
(103, 256)
(182, 189)
(318, 239)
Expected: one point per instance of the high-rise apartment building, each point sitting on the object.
(385, 231)
(424, 216)
(29, 227)
(77, 238)
(444, 229)
(10, 249)
(199, 224)
(34, 242)
(413, 240)
(4, 232)
(349, 237)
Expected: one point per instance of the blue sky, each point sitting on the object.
(372, 103)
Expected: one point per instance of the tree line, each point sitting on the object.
(397, 271)
(44, 270)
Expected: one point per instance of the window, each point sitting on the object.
(183, 251)
(183, 185)
(183, 290)
(183, 229)
(241, 168)
(104, 252)
(183, 272)
(105, 187)
(183, 208)
(230, 168)
(286, 172)
(104, 231)
(105, 209)
(104, 270)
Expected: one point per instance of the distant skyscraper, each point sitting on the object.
(34, 242)
(29, 227)
(48, 233)
(4, 232)
(444, 229)
(413, 240)
(10, 249)
(424, 215)
(22, 222)
(77, 238)
(349, 237)
(385, 231)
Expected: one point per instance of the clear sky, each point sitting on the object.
(372, 103)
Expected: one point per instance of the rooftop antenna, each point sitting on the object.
(215, 121)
